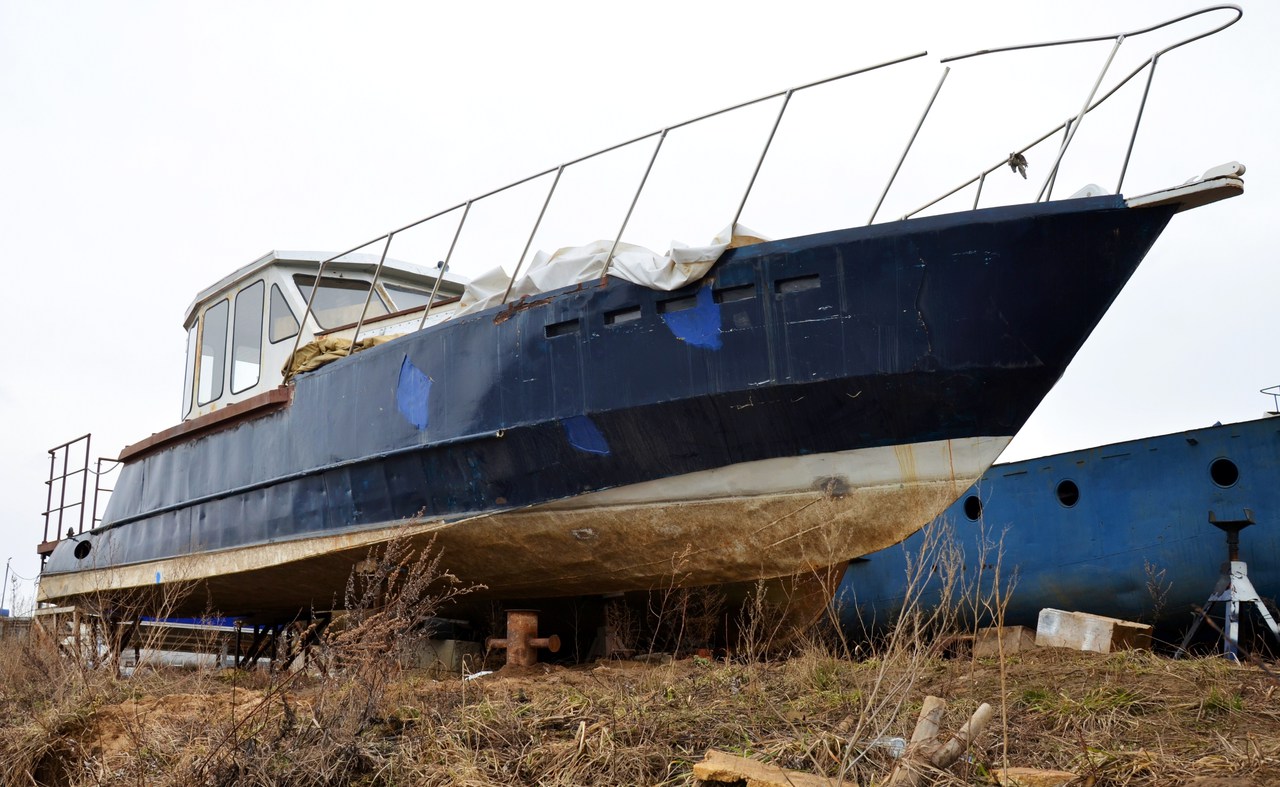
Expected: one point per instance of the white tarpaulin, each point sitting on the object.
(571, 265)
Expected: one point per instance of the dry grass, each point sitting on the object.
(356, 716)
(1122, 719)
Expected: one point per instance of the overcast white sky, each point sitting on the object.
(147, 149)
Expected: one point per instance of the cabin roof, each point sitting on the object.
(348, 262)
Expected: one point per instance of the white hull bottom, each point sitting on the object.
(757, 520)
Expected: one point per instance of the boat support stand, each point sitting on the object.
(1232, 590)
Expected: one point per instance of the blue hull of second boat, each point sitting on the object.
(1122, 530)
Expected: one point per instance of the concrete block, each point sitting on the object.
(1017, 639)
(443, 657)
(1082, 631)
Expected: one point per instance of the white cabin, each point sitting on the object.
(241, 330)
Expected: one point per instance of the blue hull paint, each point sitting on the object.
(1140, 522)
(939, 328)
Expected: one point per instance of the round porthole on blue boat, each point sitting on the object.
(82, 550)
(1068, 493)
(1224, 472)
(972, 508)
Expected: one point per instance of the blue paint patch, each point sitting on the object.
(699, 326)
(584, 436)
(413, 390)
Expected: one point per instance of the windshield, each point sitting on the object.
(338, 301)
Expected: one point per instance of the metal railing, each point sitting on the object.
(1070, 127)
(661, 134)
(98, 489)
(1274, 392)
(69, 469)
(57, 515)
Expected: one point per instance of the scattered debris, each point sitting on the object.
(1082, 631)
(1032, 777)
(723, 767)
(926, 751)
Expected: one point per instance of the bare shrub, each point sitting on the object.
(361, 658)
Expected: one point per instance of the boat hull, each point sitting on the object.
(1136, 544)
(497, 428)
(699, 529)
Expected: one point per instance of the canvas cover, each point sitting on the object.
(680, 265)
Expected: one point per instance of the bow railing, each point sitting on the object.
(1069, 128)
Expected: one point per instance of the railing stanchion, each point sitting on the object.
(444, 266)
(1124, 168)
(1053, 176)
(760, 162)
(636, 198)
(48, 505)
(1079, 118)
(368, 296)
(84, 485)
(910, 142)
(533, 232)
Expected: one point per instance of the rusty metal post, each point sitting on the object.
(522, 641)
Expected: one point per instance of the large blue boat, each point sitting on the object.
(1120, 530)
(612, 421)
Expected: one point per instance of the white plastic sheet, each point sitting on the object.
(571, 265)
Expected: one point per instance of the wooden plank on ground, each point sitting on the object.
(721, 766)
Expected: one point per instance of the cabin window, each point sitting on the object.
(408, 297)
(246, 338)
(338, 301)
(189, 376)
(283, 324)
(213, 352)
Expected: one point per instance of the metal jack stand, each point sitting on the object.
(1232, 590)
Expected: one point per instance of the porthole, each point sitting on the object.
(1224, 472)
(1068, 493)
(82, 549)
(972, 508)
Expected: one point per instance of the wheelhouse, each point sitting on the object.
(242, 330)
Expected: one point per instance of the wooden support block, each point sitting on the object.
(1032, 777)
(1082, 631)
(720, 766)
(1017, 639)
